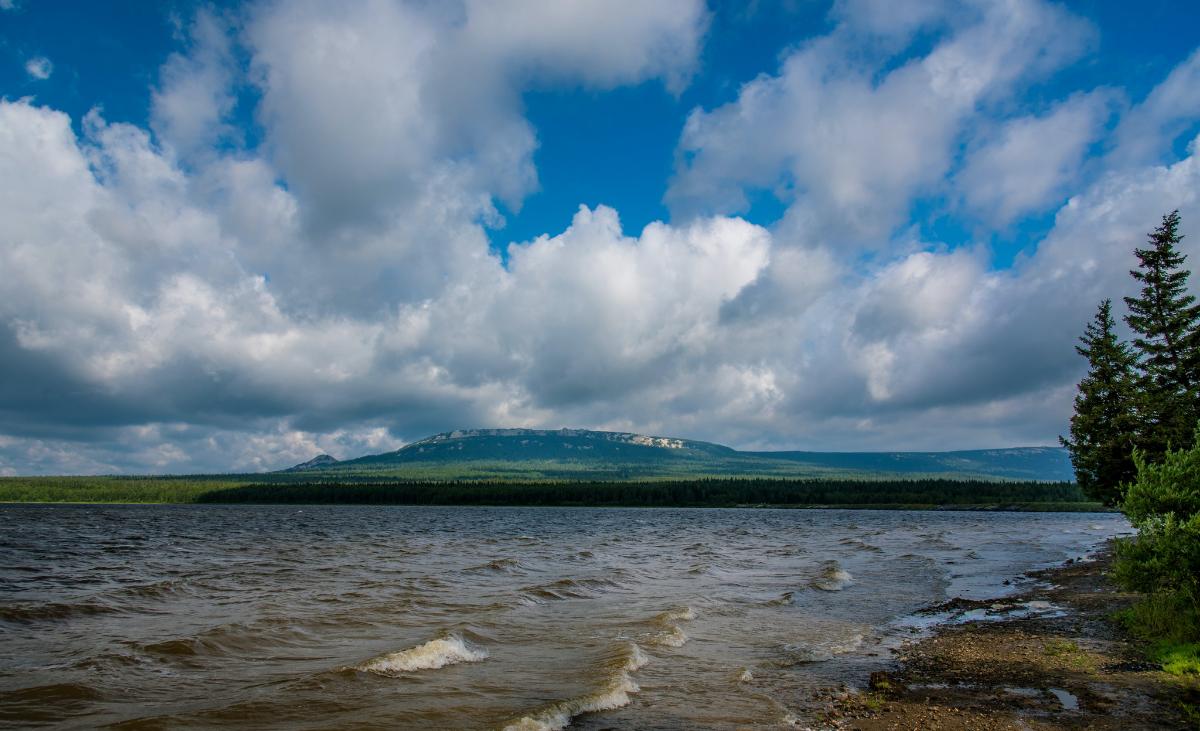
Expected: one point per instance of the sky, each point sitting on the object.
(237, 235)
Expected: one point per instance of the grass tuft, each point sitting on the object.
(1179, 659)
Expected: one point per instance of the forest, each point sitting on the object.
(699, 492)
(715, 492)
(1135, 444)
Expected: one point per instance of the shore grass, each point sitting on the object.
(1170, 625)
(1179, 659)
(106, 489)
(921, 494)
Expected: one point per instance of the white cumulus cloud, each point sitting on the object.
(175, 300)
(39, 67)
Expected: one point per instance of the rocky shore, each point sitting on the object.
(1048, 658)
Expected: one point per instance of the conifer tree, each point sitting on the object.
(1165, 318)
(1102, 429)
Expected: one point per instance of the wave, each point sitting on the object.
(55, 693)
(500, 565)
(568, 589)
(832, 578)
(782, 600)
(670, 634)
(612, 695)
(861, 545)
(154, 590)
(48, 705)
(682, 614)
(263, 636)
(673, 637)
(438, 653)
(32, 612)
(798, 654)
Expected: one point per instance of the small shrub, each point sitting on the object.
(1163, 617)
(1182, 659)
(1163, 560)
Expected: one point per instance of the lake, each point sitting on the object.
(478, 618)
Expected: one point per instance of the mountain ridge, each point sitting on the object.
(557, 454)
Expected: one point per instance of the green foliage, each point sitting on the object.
(1170, 487)
(1163, 559)
(874, 701)
(1103, 426)
(1171, 624)
(1153, 394)
(1165, 619)
(1182, 659)
(1164, 318)
(714, 492)
(107, 489)
(707, 491)
(1164, 504)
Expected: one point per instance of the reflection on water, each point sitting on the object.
(413, 618)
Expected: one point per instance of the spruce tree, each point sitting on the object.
(1102, 429)
(1165, 317)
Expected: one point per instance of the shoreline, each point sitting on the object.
(1047, 657)
(929, 507)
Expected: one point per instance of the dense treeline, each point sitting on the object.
(1142, 396)
(107, 489)
(682, 493)
(1135, 443)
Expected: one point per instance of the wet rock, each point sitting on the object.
(1018, 671)
(1130, 666)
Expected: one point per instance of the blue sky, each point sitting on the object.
(440, 216)
(108, 55)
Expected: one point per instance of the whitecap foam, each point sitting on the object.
(438, 653)
(670, 633)
(832, 578)
(673, 637)
(613, 695)
(683, 614)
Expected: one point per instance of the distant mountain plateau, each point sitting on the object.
(579, 454)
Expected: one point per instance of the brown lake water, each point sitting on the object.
(336, 617)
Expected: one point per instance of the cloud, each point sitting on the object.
(848, 138)
(163, 325)
(610, 316)
(194, 96)
(890, 18)
(38, 67)
(1146, 133)
(442, 83)
(175, 300)
(1027, 164)
(603, 43)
